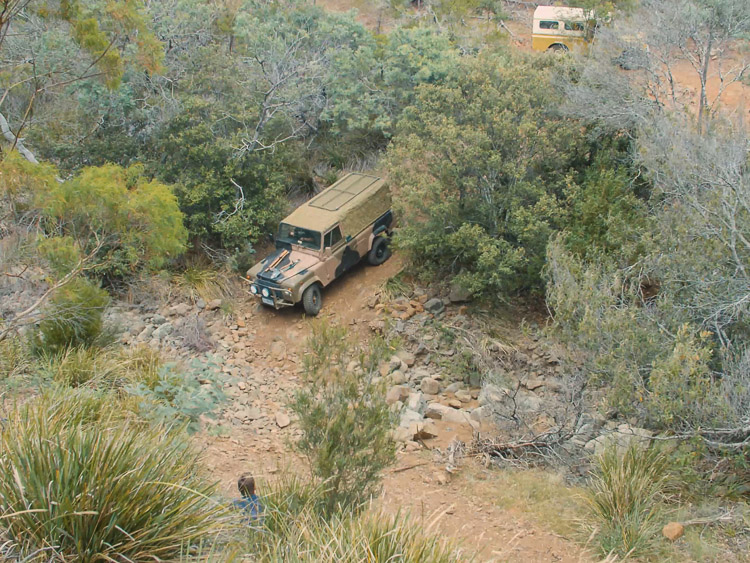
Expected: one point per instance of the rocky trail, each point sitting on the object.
(260, 352)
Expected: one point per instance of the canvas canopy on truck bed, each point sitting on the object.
(355, 202)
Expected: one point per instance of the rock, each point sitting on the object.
(282, 419)
(481, 414)
(532, 383)
(200, 304)
(434, 306)
(406, 357)
(430, 386)
(397, 393)
(442, 477)
(453, 387)
(181, 310)
(394, 363)
(277, 350)
(454, 404)
(621, 436)
(146, 333)
(463, 396)
(242, 385)
(158, 320)
(436, 411)
(162, 331)
(673, 531)
(398, 377)
(416, 402)
(213, 304)
(408, 416)
(458, 294)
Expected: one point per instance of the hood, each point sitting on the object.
(282, 266)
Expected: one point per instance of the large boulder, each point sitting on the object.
(459, 294)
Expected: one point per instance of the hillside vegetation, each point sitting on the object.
(597, 200)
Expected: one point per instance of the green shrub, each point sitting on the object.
(127, 220)
(172, 395)
(295, 528)
(72, 318)
(344, 419)
(103, 491)
(623, 500)
(478, 169)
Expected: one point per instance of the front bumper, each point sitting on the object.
(276, 297)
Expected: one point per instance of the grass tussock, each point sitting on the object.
(202, 280)
(15, 358)
(623, 501)
(103, 368)
(77, 486)
(295, 529)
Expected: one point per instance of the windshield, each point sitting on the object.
(297, 235)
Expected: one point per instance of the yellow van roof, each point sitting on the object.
(560, 13)
(354, 201)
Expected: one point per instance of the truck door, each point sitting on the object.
(334, 247)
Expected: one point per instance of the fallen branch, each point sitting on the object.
(406, 468)
(15, 140)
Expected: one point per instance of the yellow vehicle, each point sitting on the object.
(561, 29)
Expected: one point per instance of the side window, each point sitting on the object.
(549, 25)
(333, 237)
(574, 26)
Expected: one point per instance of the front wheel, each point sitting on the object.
(379, 252)
(312, 300)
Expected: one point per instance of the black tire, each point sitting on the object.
(380, 252)
(558, 48)
(312, 300)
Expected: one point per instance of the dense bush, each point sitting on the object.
(344, 419)
(479, 166)
(88, 492)
(73, 318)
(128, 221)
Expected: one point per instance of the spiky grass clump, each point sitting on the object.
(202, 280)
(294, 528)
(623, 499)
(111, 367)
(81, 487)
(15, 358)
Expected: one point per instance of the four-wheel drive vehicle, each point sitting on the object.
(561, 29)
(324, 238)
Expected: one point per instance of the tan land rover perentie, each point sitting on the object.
(324, 238)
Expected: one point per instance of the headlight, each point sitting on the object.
(264, 292)
(254, 289)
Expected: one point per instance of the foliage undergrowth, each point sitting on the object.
(71, 489)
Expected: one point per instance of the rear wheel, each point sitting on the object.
(379, 252)
(558, 48)
(312, 300)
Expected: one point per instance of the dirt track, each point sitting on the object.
(459, 507)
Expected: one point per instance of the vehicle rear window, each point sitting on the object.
(549, 25)
(297, 235)
(574, 26)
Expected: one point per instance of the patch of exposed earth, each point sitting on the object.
(261, 351)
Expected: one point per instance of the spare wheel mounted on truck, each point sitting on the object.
(322, 239)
